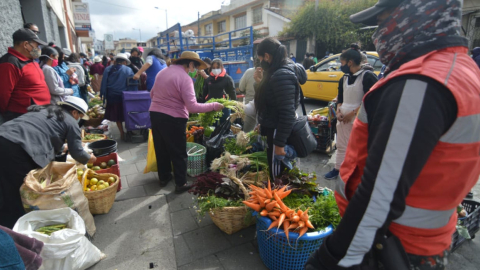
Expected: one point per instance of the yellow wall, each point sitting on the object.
(215, 27)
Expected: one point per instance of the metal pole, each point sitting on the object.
(140, 30)
(314, 45)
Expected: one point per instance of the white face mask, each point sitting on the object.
(216, 71)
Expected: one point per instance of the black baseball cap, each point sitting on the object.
(24, 34)
(369, 15)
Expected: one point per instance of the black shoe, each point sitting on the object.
(165, 183)
(470, 195)
(183, 188)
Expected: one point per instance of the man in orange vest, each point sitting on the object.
(414, 152)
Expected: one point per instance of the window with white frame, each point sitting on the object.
(209, 29)
(222, 27)
(257, 15)
(241, 22)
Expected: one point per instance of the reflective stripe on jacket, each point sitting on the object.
(428, 221)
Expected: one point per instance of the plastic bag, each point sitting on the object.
(63, 249)
(61, 189)
(151, 157)
(215, 145)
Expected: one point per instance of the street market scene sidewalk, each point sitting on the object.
(150, 227)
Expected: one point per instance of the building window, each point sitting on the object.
(241, 22)
(257, 15)
(222, 26)
(209, 29)
(127, 45)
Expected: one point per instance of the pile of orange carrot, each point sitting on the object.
(269, 203)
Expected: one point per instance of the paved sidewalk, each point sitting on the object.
(153, 228)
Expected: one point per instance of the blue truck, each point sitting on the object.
(234, 48)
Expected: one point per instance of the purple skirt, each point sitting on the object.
(114, 112)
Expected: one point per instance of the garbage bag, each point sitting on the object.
(151, 157)
(60, 189)
(215, 145)
(63, 249)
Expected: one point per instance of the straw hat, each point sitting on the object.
(97, 59)
(77, 104)
(192, 56)
(122, 56)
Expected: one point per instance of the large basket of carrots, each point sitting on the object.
(232, 219)
(286, 237)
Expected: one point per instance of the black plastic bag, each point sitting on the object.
(215, 145)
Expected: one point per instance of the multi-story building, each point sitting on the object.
(125, 44)
(99, 47)
(268, 17)
(54, 19)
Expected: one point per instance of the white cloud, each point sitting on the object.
(119, 17)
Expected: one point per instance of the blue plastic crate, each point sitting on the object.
(278, 254)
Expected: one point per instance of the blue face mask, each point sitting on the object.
(345, 68)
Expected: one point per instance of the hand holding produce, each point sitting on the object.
(92, 159)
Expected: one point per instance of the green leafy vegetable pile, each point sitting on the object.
(209, 118)
(323, 212)
(206, 204)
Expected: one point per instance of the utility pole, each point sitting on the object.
(166, 16)
(198, 26)
(139, 31)
(314, 41)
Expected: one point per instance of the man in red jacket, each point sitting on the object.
(22, 80)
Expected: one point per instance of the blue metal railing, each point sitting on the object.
(214, 43)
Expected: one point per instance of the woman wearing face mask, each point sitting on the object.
(277, 97)
(173, 98)
(66, 72)
(73, 61)
(219, 85)
(154, 63)
(351, 89)
(31, 141)
(49, 60)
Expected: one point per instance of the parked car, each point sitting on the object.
(323, 78)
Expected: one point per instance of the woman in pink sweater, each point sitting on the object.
(173, 98)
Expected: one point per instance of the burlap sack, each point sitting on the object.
(64, 190)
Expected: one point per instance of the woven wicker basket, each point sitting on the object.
(232, 219)
(104, 137)
(255, 178)
(100, 201)
(94, 122)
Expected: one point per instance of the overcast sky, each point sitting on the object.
(118, 17)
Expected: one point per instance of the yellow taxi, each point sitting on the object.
(323, 78)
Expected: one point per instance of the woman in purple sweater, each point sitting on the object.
(173, 98)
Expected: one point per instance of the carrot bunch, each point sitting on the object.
(269, 203)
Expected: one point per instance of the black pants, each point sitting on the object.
(15, 164)
(170, 146)
(276, 168)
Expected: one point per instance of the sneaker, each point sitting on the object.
(183, 188)
(470, 195)
(331, 175)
